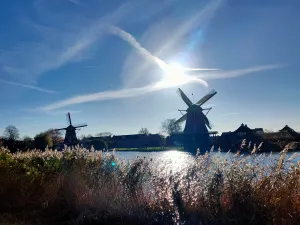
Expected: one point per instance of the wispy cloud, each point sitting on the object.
(165, 38)
(238, 73)
(100, 96)
(133, 92)
(57, 43)
(76, 2)
(28, 86)
(51, 112)
(144, 52)
(230, 114)
(129, 92)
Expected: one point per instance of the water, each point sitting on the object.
(177, 160)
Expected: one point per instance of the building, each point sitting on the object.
(137, 141)
(289, 131)
(231, 140)
(125, 141)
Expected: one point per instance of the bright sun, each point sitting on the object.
(174, 69)
(173, 76)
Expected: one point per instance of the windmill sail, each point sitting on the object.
(183, 118)
(184, 97)
(68, 117)
(80, 125)
(207, 122)
(206, 97)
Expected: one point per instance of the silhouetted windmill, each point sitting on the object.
(195, 130)
(195, 118)
(70, 137)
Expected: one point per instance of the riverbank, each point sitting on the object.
(87, 187)
(149, 149)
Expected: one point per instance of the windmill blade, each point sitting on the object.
(211, 124)
(184, 97)
(207, 122)
(80, 125)
(60, 129)
(206, 97)
(208, 109)
(68, 117)
(181, 119)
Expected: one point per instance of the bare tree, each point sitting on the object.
(11, 133)
(169, 126)
(144, 131)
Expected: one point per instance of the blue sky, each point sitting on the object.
(79, 56)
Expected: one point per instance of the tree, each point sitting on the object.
(11, 133)
(42, 140)
(144, 131)
(169, 126)
(28, 143)
(56, 136)
(103, 134)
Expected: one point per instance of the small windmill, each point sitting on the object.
(196, 125)
(70, 137)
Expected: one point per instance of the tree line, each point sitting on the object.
(11, 139)
(11, 136)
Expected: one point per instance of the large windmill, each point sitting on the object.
(195, 130)
(70, 137)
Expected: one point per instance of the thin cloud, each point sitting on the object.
(72, 41)
(76, 2)
(230, 114)
(100, 96)
(203, 16)
(133, 92)
(130, 39)
(238, 73)
(28, 86)
(165, 38)
(51, 112)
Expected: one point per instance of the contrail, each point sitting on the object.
(238, 73)
(133, 92)
(28, 86)
(135, 44)
(143, 51)
(101, 96)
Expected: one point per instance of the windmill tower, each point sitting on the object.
(70, 137)
(196, 132)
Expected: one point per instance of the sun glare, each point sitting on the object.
(174, 69)
(174, 76)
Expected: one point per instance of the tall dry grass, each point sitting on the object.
(80, 186)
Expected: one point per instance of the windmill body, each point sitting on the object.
(195, 121)
(70, 137)
(195, 134)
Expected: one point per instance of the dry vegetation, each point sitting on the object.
(87, 187)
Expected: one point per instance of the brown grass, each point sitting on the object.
(86, 187)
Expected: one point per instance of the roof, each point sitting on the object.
(243, 128)
(289, 130)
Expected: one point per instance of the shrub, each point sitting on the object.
(42, 140)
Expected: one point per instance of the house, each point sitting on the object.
(230, 140)
(289, 131)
